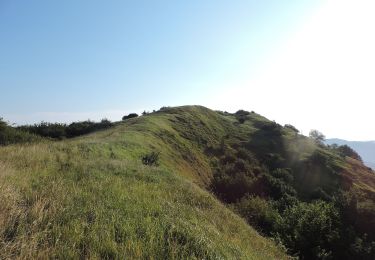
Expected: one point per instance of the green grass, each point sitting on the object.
(91, 197)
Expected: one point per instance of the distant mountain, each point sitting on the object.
(366, 149)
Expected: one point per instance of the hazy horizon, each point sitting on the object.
(307, 64)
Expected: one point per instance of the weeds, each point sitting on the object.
(151, 159)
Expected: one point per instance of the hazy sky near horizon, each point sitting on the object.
(308, 63)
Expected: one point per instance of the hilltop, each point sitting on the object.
(186, 182)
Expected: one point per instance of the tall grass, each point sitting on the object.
(93, 198)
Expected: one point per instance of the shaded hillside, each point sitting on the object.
(365, 149)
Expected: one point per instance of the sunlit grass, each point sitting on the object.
(91, 197)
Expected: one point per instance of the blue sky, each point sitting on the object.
(73, 60)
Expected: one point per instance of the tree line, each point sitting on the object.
(57, 131)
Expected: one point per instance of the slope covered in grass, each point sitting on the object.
(92, 197)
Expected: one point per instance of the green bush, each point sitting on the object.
(151, 159)
(259, 213)
(311, 230)
(10, 135)
(132, 115)
(61, 131)
(345, 150)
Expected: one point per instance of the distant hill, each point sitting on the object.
(366, 149)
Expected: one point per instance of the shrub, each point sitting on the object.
(51, 130)
(131, 115)
(242, 113)
(345, 150)
(259, 213)
(232, 187)
(311, 229)
(10, 135)
(151, 159)
(291, 127)
(60, 131)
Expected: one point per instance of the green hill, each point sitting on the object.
(91, 197)
(174, 183)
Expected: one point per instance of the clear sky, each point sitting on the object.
(308, 63)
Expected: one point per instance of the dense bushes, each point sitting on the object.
(29, 133)
(60, 131)
(259, 213)
(299, 202)
(52, 130)
(85, 127)
(242, 116)
(345, 150)
(10, 135)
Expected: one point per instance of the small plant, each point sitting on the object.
(151, 159)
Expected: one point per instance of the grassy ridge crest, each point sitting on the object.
(91, 197)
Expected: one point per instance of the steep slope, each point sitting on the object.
(91, 197)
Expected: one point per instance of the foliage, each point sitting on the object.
(317, 136)
(61, 131)
(291, 127)
(10, 135)
(259, 213)
(151, 159)
(292, 195)
(242, 116)
(345, 150)
(131, 115)
(92, 198)
(85, 127)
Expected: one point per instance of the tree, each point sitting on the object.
(317, 136)
(3, 124)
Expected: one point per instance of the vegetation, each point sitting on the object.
(10, 135)
(295, 190)
(345, 150)
(151, 159)
(92, 197)
(317, 136)
(61, 131)
(132, 115)
(96, 196)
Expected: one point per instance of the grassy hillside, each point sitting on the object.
(91, 197)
